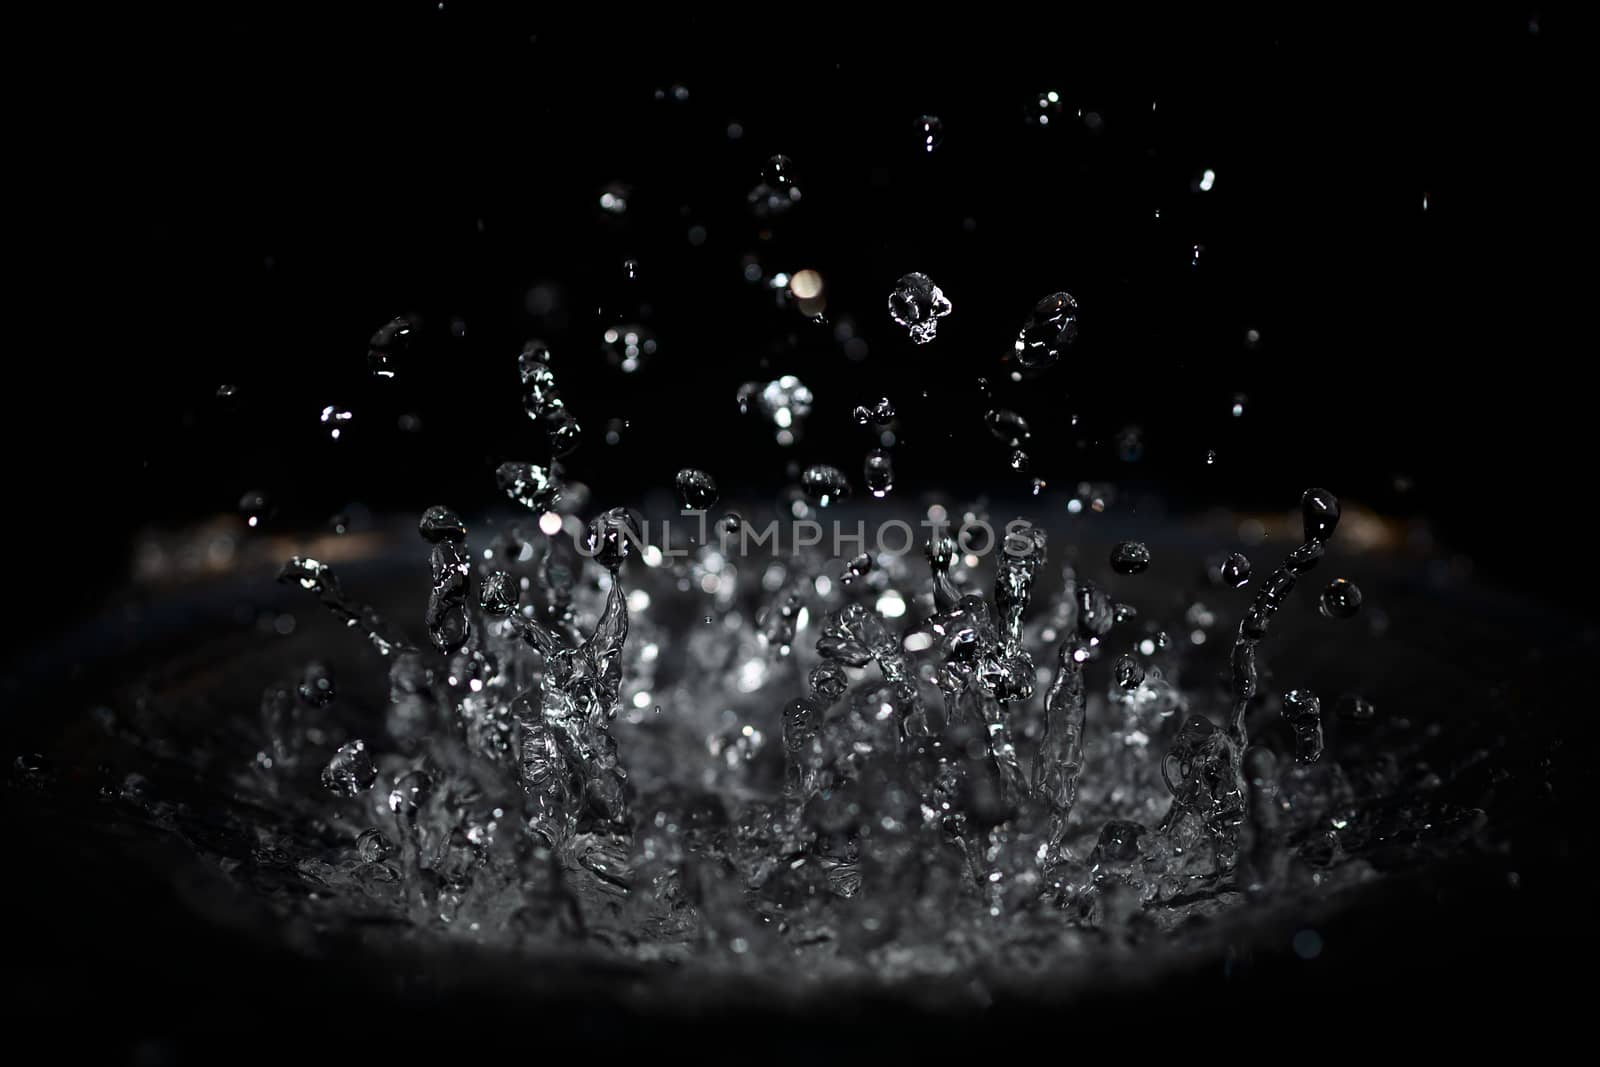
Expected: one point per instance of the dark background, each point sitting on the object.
(244, 195)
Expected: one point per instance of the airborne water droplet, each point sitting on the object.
(388, 342)
(918, 305)
(1129, 673)
(778, 190)
(1008, 427)
(350, 772)
(879, 473)
(256, 507)
(1130, 557)
(1235, 570)
(1320, 510)
(824, 484)
(529, 485)
(697, 490)
(1340, 600)
(1050, 330)
(930, 132)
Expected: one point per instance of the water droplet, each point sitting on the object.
(1038, 486)
(930, 132)
(1320, 510)
(227, 392)
(256, 507)
(778, 191)
(1355, 708)
(1019, 460)
(1239, 401)
(828, 683)
(856, 568)
(611, 535)
(316, 686)
(879, 473)
(1211, 456)
(1008, 427)
(498, 595)
(824, 484)
(530, 485)
(373, 846)
(628, 347)
(1303, 711)
(918, 305)
(1340, 600)
(1235, 570)
(350, 772)
(1129, 673)
(1130, 557)
(411, 791)
(1050, 330)
(439, 523)
(386, 345)
(697, 490)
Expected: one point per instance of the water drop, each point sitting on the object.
(439, 523)
(697, 491)
(498, 595)
(879, 473)
(1038, 486)
(350, 772)
(829, 681)
(856, 568)
(918, 305)
(1008, 427)
(778, 190)
(930, 132)
(1050, 330)
(1320, 510)
(824, 484)
(373, 846)
(411, 790)
(1129, 673)
(1019, 460)
(528, 484)
(1239, 401)
(1235, 570)
(386, 344)
(1340, 600)
(316, 686)
(1355, 708)
(256, 507)
(611, 535)
(1130, 557)
(227, 392)
(1303, 712)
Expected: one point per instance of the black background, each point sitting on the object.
(243, 196)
